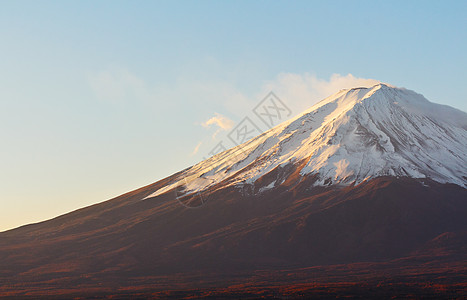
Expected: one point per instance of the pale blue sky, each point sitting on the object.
(99, 98)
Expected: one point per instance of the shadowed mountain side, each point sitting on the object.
(382, 219)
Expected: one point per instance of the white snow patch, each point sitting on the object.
(341, 169)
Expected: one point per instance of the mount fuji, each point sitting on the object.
(350, 137)
(365, 193)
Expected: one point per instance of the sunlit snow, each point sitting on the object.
(349, 137)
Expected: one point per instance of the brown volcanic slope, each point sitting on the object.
(391, 234)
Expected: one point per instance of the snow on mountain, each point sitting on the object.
(347, 138)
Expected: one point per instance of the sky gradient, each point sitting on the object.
(99, 98)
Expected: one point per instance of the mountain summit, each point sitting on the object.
(366, 189)
(347, 138)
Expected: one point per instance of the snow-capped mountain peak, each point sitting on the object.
(347, 138)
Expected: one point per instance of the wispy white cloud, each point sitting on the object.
(297, 91)
(223, 123)
(301, 91)
(196, 149)
(219, 120)
(117, 84)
